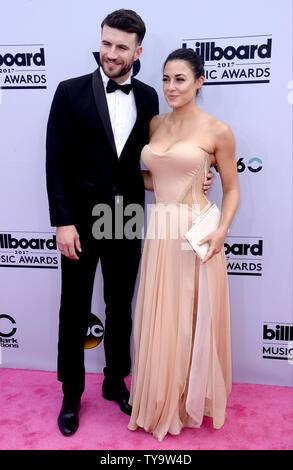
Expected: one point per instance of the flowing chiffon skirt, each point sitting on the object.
(182, 355)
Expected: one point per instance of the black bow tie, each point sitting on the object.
(113, 86)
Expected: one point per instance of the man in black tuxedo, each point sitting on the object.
(95, 134)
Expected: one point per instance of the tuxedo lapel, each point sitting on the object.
(102, 107)
(139, 115)
(138, 100)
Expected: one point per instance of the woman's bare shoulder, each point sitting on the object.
(218, 127)
(156, 122)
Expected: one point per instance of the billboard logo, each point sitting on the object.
(278, 341)
(22, 250)
(22, 66)
(211, 52)
(244, 255)
(234, 60)
(278, 332)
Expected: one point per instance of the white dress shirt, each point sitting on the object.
(122, 111)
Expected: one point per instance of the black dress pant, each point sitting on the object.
(119, 263)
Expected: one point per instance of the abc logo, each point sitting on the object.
(9, 329)
(95, 332)
(254, 165)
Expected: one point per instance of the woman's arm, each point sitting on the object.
(146, 174)
(226, 162)
(227, 166)
(147, 179)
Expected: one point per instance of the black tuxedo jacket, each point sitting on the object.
(82, 165)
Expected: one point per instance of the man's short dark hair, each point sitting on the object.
(126, 20)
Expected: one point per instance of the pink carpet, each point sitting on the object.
(259, 417)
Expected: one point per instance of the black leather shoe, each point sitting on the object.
(118, 392)
(68, 417)
(124, 405)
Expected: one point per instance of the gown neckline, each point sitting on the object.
(170, 148)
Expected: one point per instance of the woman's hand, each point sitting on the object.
(208, 182)
(216, 241)
(147, 180)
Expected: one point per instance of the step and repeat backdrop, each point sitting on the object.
(249, 84)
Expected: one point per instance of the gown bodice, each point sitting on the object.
(178, 173)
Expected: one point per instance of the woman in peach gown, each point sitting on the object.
(182, 354)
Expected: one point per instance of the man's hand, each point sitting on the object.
(67, 240)
(208, 182)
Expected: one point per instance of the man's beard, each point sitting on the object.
(124, 70)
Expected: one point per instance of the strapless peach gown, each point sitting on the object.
(182, 354)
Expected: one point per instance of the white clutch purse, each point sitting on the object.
(204, 224)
